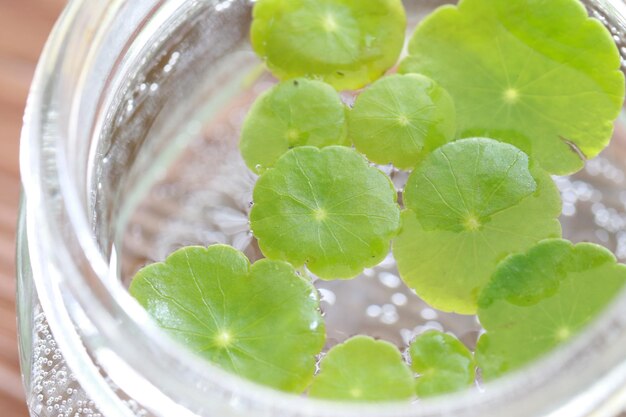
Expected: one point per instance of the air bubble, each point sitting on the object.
(569, 209)
(389, 280)
(399, 299)
(428, 314)
(390, 317)
(433, 325)
(373, 311)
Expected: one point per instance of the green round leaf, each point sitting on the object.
(363, 369)
(347, 43)
(461, 185)
(538, 74)
(540, 299)
(293, 113)
(444, 363)
(470, 204)
(327, 209)
(400, 117)
(261, 322)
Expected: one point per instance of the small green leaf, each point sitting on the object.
(327, 209)
(461, 185)
(363, 369)
(540, 299)
(538, 74)
(261, 322)
(293, 113)
(347, 43)
(400, 117)
(444, 363)
(470, 204)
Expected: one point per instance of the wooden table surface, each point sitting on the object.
(24, 27)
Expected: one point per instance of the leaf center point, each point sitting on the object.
(224, 339)
(511, 95)
(320, 214)
(293, 135)
(472, 223)
(356, 393)
(403, 120)
(329, 23)
(563, 333)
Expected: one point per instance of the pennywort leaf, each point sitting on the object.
(444, 363)
(461, 185)
(541, 298)
(540, 75)
(469, 204)
(347, 43)
(293, 113)
(261, 322)
(326, 208)
(401, 117)
(363, 369)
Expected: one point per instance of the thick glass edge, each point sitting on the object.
(24, 297)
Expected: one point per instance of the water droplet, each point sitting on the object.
(327, 296)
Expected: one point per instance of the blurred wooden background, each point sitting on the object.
(24, 27)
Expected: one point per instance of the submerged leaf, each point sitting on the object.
(444, 363)
(363, 369)
(540, 299)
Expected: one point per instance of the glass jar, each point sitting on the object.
(123, 91)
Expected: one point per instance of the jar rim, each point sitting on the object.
(548, 382)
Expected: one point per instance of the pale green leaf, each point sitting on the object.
(541, 298)
(444, 363)
(363, 369)
(466, 211)
(347, 43)
(261, 322)
(293, 113)
(400, 118)
(538, 74)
